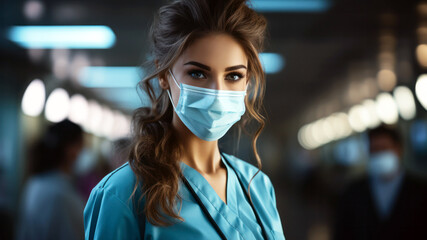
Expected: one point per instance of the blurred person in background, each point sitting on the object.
(390, 203)
(178, 184)
(90, 169)
(50, 206)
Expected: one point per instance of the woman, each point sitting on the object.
(177, 184)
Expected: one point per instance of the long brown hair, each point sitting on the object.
(155, 151)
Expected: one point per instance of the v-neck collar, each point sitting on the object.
(225, 215)
(197, 179)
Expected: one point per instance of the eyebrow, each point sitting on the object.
(200, 65)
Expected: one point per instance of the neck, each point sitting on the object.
(204, 156)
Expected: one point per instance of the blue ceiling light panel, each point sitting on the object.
(110, 77)
(117, 85)
(71, 37)
(271, 62)
(290, 5)
(125, 98)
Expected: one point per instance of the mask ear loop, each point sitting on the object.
(247, 85)
(173, 77)
(246, 88)
(169, 94)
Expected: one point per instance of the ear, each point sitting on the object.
(163, 82)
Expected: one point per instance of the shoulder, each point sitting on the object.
(415, 179)
(262, 193)
(119, 183)
(53, 185)
(354, 191)
(246, 171)
(416, 183)
(357, 184)
(110, 211)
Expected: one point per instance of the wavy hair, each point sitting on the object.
(155, 151)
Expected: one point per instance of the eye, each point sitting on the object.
(235, 76)
(197, 74)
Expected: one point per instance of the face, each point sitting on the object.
(216, 61)
(74, 150)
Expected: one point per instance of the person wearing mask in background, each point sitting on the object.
(50, 206)
(390, 203)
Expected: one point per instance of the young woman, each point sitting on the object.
(178, 184)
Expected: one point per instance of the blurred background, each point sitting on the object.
(335, 69)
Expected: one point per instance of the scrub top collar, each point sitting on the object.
(201, 183)
(225, 215)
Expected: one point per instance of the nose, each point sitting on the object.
(217, 83)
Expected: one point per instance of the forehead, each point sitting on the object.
(381, 140)
(218, 51)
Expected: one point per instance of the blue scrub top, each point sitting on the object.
(111, 213)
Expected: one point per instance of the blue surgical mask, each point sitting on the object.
(383, 163)
(208, 113)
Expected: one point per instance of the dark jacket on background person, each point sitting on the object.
(358, 218)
